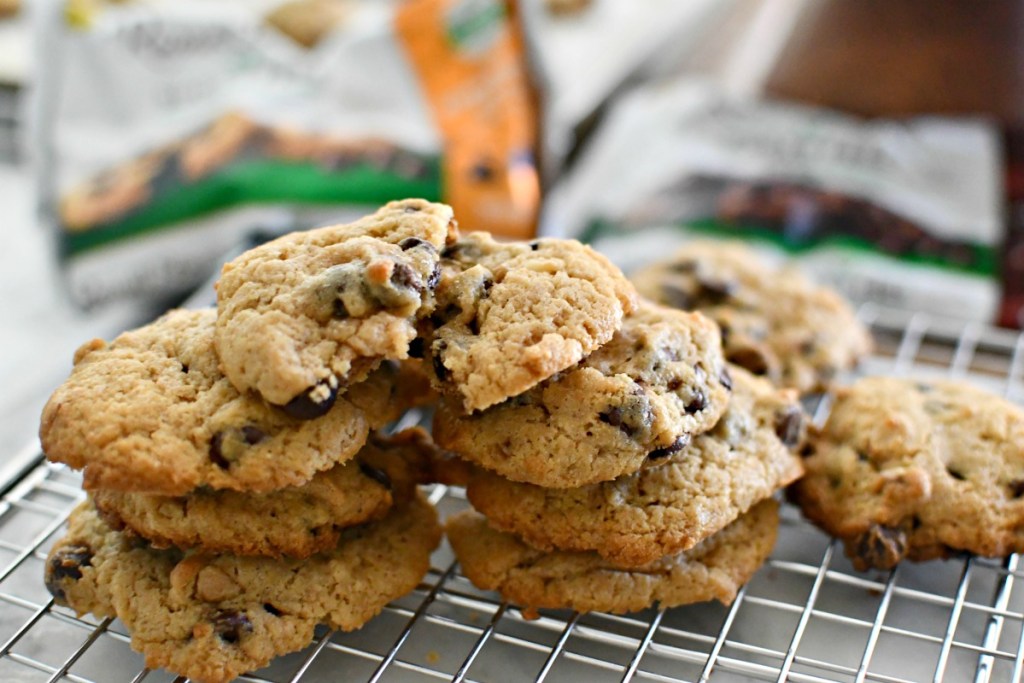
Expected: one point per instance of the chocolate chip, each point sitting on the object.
(338, 310)
(787, 426)
(66, 563)
(378, 475)
(416, 348)
(315, 402)
(725, 378)
(612, 416)
(253, 435)
(749, 358)
(270, 609)
(1016, 488)
(439, 369)
(184, 368)
(956, 474)
(881, 547)
(676, 297)
(679, 444)
(435, 276)
(412, 243)
(216, 454)
(632, 417)
(534, 245)
(697, 403)
(674, 384)
(406, 277)
(714, 292)
(231, 626)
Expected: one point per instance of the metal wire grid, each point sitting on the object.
(806, 617)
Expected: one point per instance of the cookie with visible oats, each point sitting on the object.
(214, 617)
(510, 315)
(151, 412)
(584, 581)
(916, 470)
(638, 399)
(306, 315)
(295, 521)
(668, 508)
(774, 322)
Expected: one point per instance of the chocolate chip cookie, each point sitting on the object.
(511, 314)
(214, 617)
(665, 509)
(638, 399)
(295, 521)
(916, 470)
(584, 581)
(305, 315)
(774, 322)
(151, 412)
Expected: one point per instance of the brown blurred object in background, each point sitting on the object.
(878, 58)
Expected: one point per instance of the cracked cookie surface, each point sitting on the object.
(775, 322)
(215, 617)
(151, 412)
(295, 521)
(584, 581)
(917, 470)
(638, 399)
(305, 315)
(512, 314)
(667, 508)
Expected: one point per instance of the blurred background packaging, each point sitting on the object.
(880, 142)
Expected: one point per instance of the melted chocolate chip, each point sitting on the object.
(679, 444)
(956, 474)
(270, 609)
(725, 378)
(231, 626)
(416, 348)
(253, 435)
(674, 384)
(435, 276)
(216, 454)
(881, 547)
(633, 416)
(378, 475)
(787, 426)
(404, 276)
(315, 402)
(1016, 488)
(676, 297)
(66, 563)
(412, 243)
(697, 403)
(749, 358)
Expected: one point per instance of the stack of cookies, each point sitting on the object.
(616, 460)
(239, 494)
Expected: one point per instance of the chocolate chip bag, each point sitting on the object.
(171, 129)
(907, 214)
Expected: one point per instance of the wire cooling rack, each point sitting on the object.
(807, 616)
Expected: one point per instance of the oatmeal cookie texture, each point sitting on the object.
(305, 315)
(917, 470)
(510, 315)
(668, 508)
(213, 617)
(774, 323)
(151, 412)
(584, 581)
(295, 521)
(638, 399)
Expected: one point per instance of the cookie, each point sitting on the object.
(214, 617)
(665, 509)
(296, 521)
(774, 322)
(151, 412)
(305, 315)
(584, 581)
(906, 469)
(638, 399)
(511, 314)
